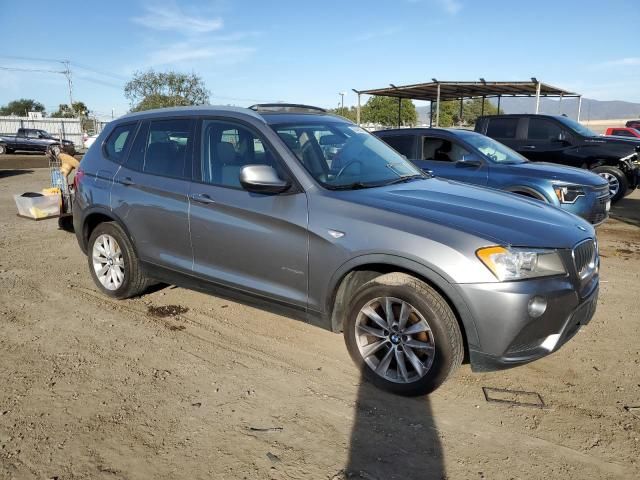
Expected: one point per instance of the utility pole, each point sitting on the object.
(67, 73)
(342, 94)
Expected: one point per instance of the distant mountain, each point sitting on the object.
(591, 109)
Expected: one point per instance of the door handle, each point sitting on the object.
(202, 198)
(529, 147)
(127, 181)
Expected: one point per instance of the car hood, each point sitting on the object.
(498, 217)
(576, 176)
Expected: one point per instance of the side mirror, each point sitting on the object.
(561, 138)
(41, 136)
(471, 161)
(262, 179)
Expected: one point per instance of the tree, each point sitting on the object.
(471, 110)
(350, 113)
(21, 107)
(384, 111)
(151, 89)
(79, 110)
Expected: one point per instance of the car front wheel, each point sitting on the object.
(403, 335)
(618, 184)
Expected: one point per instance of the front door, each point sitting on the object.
(254, 242)
(546, 141)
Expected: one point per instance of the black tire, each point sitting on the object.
(449, 347)
(623, 185)
(134, 282)
(3, 149)
(65, 222)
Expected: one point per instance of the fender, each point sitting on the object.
(435, 278)
(81, 233)
(530, 190)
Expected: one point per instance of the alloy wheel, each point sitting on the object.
(395, 340)
(108, 262)
(614, 183)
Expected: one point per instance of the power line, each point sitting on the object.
(39, 70)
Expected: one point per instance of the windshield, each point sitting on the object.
(344, 156)
(576, 127)
(494, 151)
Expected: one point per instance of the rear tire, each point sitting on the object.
(618, 184)
(386, 347)
(113, 263)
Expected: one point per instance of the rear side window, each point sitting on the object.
(623, 133)
(403, 144)
(116, 145)
(502, 127)
(543, 129)
(168, 146)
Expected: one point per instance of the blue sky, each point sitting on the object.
(307, 51)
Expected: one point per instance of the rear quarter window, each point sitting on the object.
(116, 145)
(403, 144)
(502, 127)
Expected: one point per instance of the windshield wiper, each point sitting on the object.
(351, 186)
(406, 178)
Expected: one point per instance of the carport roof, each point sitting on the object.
(458, 90)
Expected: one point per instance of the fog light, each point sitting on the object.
(537, 306)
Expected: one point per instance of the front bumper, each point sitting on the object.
(508, 336)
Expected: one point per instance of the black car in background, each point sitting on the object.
(632, 124)
(34, 140)
(558, 139)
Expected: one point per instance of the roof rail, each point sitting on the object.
(286, 108)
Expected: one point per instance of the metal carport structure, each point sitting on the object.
(437, 91)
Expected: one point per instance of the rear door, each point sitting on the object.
(504, 130)
(443, 156)
(31, 140)
(150, 192)
(250, 241)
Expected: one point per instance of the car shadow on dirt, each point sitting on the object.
(13, 172)
(393, 437)
(627, 210)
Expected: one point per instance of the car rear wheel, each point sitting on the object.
(617, 180)
(403, 335)
(113, 263)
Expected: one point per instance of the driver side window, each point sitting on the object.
(226, 148)
(442, 150)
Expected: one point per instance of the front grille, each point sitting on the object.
(584, 257)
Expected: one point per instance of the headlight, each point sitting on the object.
(568, 193)
(520, 263)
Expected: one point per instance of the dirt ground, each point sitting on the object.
(92, 388)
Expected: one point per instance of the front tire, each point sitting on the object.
(403, 335)
(618, 184)
(113, 263)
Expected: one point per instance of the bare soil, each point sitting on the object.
(179, 384)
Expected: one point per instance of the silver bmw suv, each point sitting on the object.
(306, 213)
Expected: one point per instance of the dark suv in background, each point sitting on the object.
(469, 157)
(558, 139)
(295, 209)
